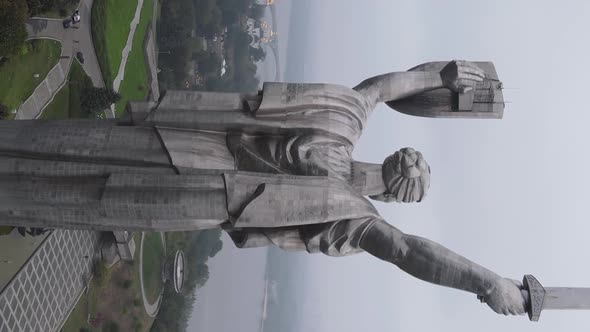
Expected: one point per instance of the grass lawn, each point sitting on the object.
(79, 317)
(5, 230)
(111, 21)
(153, 257)
(59, 108)
(135, 83)
(66, 103)
(17, 81)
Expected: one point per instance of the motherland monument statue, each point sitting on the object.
(272, 168)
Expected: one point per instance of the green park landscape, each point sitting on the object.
(134, 84)
(112, 301)
(110, 27)
(153, 260)
(67, 102)
(20, 75)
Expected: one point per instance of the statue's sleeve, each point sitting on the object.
(339, 238)
(286, 238)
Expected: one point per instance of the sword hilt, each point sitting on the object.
(525, 294)
(533, 294)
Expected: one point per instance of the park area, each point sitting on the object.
(21, 74)
(135, 80)
(153, 260)
(111, 21)
(113, 300)
(67, 102)
(111, 30)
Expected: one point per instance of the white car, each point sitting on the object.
(76, 16)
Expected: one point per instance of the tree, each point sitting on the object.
(3, 111)
(257, 12)
(208, 63)
(176, 308)
(111, 326)
(215, 248)
(257, 53)
(13, 32)
(37, 7)
(98, 99)
(202, 274)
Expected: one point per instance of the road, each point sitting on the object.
(78, 38)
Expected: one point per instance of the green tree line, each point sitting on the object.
(183, 20)
(198, 247)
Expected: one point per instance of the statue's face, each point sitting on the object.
(406, 176)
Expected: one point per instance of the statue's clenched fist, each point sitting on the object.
(460, 76)
(506, 297)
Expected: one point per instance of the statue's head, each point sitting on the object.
(406, 176)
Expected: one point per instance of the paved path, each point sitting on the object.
(152, 62)
(86, 45)
(73, 40)
(41, 295)
(56, 78)
(126, 50)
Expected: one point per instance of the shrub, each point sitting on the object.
(3, 111)
(126, 284)
(13, 32)
(111, 326)
(95, 100)
(102, 274)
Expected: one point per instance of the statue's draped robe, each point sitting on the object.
(298, 129)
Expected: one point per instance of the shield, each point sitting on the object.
(484, 101)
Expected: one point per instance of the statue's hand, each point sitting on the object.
(460, 76)
(506, 298)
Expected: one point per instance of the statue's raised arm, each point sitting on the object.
(430, 261)
(458, 76)
(455, 89)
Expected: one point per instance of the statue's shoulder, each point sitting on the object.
(293, 90)
(309, 95)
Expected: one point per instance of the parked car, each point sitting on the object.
(76, 17)
(80, 57)
(66, 23)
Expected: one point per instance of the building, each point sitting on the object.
(264, 2)
(260, 31)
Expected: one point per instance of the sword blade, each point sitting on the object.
(560, 298)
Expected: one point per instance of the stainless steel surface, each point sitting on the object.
(559, 298)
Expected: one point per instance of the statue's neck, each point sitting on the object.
(366, 178)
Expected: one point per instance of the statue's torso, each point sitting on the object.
(302, 129)
(309, 130)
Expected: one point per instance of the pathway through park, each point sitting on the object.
(127, 49)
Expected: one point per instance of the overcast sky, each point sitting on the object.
(511, 194)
